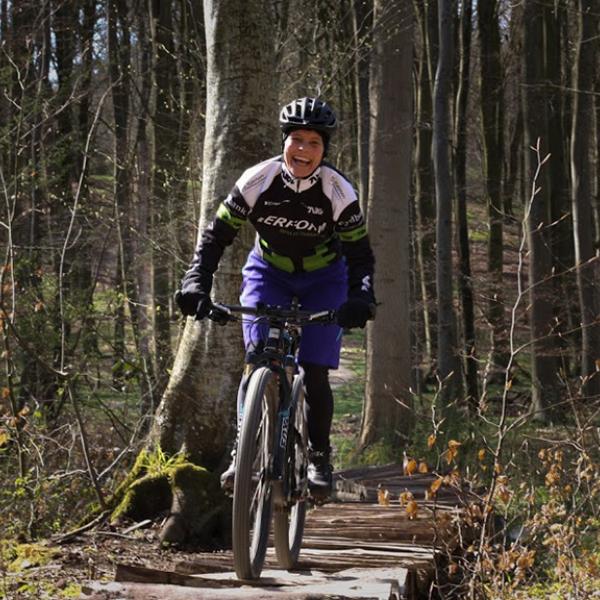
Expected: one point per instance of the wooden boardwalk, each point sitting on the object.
(353, 547)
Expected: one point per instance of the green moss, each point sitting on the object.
(144, 499)
(25, 556)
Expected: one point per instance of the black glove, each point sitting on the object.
(192, 304)
(355, 312)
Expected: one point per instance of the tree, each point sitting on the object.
(196, 414)
(423, 181)
(388, 402)
(544, 364)
(492, 117)
(586, 261)
(460, 165)
(447, 367)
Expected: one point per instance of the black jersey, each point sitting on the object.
(301, 224)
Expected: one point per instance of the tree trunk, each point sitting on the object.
(362, 22)
(388, 402)
(586, 261)
(424, 184)
(544, 366)
(493, 131)
(465, 281)
(165, 147)
(197, 411)
(447, 367)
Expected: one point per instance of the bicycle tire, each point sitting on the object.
(252, 498)
(288, 521)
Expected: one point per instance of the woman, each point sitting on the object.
(311, 243)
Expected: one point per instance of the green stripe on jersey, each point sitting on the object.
(353, 235)
(224, 214)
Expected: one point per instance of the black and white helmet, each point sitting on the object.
(308, 113)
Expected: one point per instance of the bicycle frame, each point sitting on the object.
(279, 356)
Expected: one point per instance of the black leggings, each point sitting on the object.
(319, 405)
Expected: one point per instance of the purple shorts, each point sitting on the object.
(323, 289)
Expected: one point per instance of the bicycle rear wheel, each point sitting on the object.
(252, 497)
(288, 520)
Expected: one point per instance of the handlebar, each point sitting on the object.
(222, 313)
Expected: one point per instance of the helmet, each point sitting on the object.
(308, 113)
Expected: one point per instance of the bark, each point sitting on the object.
(197, 410)
(388, 402)
(544, 365)
(493, 130)
(150, 396)
(465, 281)
(586, 261)
(119, 53)
(447, 367)
(424, 182)
(165, 147)
(362, 21)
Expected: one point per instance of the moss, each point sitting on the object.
(197, 507)
(145, 498)
(30, 555)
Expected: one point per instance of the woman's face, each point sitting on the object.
(303, 152)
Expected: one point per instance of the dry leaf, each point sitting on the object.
(435, 485)
(453, 444)
(412, 508)
(452, 568)
(410, 467)
(4, 437)
(481, 454)
(383, 497)
(405, 497)
(431, 441)
(5, 393)
(423, 468)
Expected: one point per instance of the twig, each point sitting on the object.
(66, 537)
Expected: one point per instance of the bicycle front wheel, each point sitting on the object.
(288, 520)
(252, 497)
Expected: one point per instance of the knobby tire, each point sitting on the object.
(252, 498)
(288, 522)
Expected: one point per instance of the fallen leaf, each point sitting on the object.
(383, 497)
(412, 508)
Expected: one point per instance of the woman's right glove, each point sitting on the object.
(193, 304)
(355, 312)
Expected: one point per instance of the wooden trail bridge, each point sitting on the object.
(357, 546)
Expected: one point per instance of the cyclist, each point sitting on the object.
(312, 244)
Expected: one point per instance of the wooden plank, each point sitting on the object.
(139, 574)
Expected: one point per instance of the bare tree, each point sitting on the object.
(387, 411)
(466, 281)
(196, 414)
(586, 260)
(447, 367)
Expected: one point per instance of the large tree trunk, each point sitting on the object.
(448, 366)
(165, 149)
(388, 402)
(424, 184)
(544, 366)
(466, 281)
(586, 261)
(197, 411)
(493, 131)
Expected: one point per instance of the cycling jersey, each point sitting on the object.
(302, 225)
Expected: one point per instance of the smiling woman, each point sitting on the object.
(303, 152)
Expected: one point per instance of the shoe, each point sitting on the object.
(319, 473)
(228, 476)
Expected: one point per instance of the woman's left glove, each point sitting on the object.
(355, 312)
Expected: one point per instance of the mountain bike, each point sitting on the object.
(272, 451)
